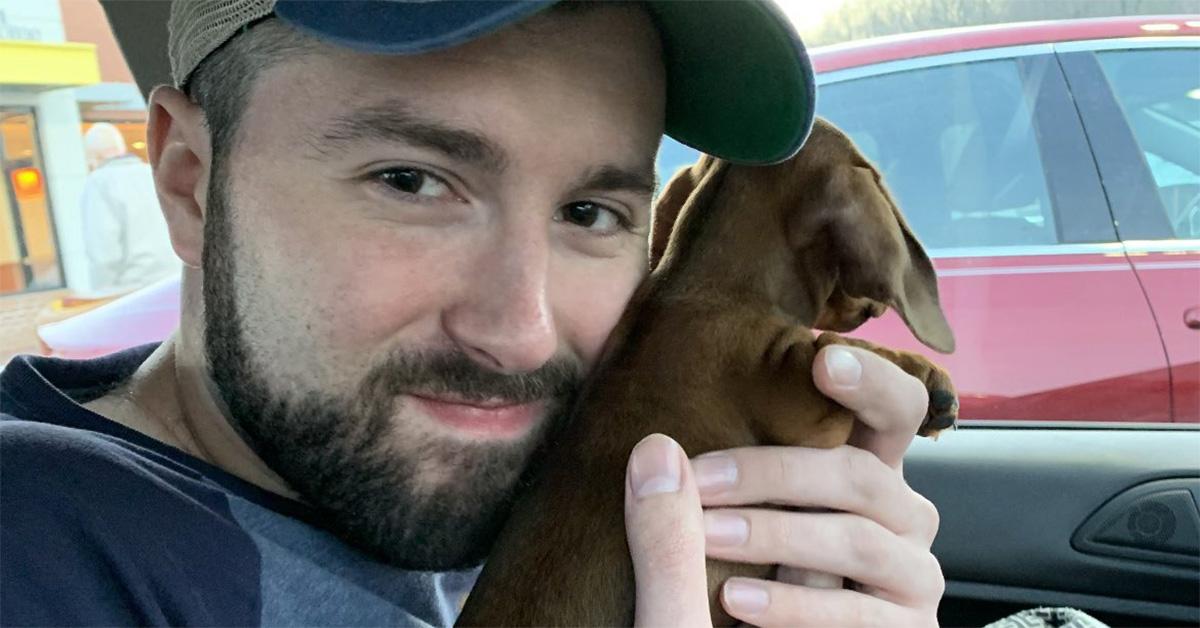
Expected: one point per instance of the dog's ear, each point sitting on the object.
(878, 260)
(671, 202)
(917, 299)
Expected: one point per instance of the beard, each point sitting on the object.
(346, 454)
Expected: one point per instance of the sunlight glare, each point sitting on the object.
(808, 14)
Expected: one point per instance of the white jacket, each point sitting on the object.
(124, 229)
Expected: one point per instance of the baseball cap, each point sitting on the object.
(739, 82)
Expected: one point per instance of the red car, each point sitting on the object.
(1052, 169)
(1053, 172)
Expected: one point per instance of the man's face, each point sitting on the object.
(411, 261)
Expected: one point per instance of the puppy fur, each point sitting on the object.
(716, 350)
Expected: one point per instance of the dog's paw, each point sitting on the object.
(943, 403)
(943, 400)
(943, 412)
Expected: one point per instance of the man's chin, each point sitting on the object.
(430, 529)
(430, 501)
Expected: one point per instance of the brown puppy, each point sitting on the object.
(715, 350)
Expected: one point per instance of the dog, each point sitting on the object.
(715, 349)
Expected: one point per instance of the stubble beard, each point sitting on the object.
(349, 457)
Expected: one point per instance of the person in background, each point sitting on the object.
(123, 228)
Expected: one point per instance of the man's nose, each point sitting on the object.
(504, 319)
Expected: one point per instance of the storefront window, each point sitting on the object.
(28, 247)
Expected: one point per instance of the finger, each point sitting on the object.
(767, 604)
(850, 546)
(890, 404)
(808, 578)
(664, 524)
(843, 478)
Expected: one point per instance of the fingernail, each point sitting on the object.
(715, 472)
(655, 466)
(744, 597)
(843, 367)
(725, 529)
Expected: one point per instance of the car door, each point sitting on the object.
(986, 157)
(1092, 514)
(1098, 517)
(1140, 105)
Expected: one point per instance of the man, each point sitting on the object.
(123, 228)
(407, 231)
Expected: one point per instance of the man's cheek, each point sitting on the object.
(385, 288)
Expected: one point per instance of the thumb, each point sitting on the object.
(665, 527)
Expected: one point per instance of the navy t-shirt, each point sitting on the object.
(102, 525)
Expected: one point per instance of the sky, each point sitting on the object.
(806, 14)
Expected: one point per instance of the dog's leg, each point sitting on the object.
(789, 410)
(943, 401)
(794, 350)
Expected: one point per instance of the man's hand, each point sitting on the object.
(879, 534)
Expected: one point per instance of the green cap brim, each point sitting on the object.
(740, 84)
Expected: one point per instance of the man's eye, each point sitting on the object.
(414, 182)
(592, 216)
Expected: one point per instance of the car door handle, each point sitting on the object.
(1191, 317)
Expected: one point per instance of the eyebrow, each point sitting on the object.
(611, 178)
(395, 122)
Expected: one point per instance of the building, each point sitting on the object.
(60, 70)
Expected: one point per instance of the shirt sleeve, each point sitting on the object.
(90, 535)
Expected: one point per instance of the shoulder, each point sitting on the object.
(49, 467)
(40, 455)
(94, 530)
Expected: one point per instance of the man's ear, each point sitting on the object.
(181, 156)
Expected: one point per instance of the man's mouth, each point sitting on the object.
(492, 418)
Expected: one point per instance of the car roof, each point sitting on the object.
(929, 43)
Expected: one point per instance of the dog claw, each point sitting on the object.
(943, 412)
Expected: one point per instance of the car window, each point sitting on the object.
(957, 146)
(1159, 92)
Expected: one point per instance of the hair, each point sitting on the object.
(221, 84)
(102, 141)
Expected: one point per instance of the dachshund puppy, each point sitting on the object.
(715, 350)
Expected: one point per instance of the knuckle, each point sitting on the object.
(918, 407)
(897, 395)
(924, 519)
(927, 582)
(868, 547)
(787, 470)
(861, 469)
(794, 475)
(938, 582)
(787, 539)
(931, 517)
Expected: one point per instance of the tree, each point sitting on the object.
(859, 19)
